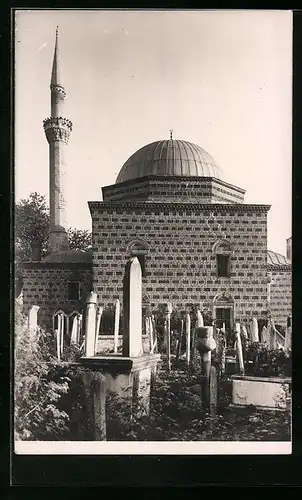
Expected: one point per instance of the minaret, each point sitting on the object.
(57, 130)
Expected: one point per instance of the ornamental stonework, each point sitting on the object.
(57, 129)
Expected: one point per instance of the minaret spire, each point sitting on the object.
(56, 74)
(57, 130)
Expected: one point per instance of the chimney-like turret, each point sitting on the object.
(57, 130)
(289, 248)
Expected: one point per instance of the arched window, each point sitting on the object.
(139, 249)
(223, 250)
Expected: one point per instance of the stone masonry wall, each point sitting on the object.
(193, 189)
(180, 263)
(281, 294)
(45, 285)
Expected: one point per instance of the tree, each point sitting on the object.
(79, 239)
(32, 224)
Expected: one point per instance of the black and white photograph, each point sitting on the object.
(153, 231)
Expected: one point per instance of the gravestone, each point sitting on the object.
(131, 373)
(239, 348)
(288, 335)
(90, 324)
(74, 330)
(199, 319)
(132, 306)
(205, 344)
(254, 330)
(116, 324)
(95, 389)
(265, 338)
(33, 317)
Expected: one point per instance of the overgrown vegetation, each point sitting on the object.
(38, 386)
(176, 414)
(51, 402)
(263, 361)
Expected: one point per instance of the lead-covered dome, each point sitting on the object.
(170, 158)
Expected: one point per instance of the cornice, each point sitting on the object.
(54, 265)
(171, 178)
(151, 206)
(279, 267)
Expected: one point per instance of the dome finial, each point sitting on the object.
(171, 134)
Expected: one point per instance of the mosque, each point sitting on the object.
(197, 241)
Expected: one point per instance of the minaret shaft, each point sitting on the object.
(57, 130)
(57, 181)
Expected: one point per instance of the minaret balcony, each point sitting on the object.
(58, 88)
(57, 129)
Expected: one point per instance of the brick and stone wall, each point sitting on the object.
(180, 262)
(177, 189)
(45, 285)
(281, 293)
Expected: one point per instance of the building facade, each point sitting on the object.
(198, 242)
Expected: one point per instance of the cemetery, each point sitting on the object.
(173, 325)
(126, 384)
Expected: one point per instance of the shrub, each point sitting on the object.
(38, 388)
(176, 415)
(263, 361)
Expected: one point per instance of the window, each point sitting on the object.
(223, 265)
(73, 290)
(139, 249)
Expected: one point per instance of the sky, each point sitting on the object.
(219, 79)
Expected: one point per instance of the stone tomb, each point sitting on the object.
(130, 374)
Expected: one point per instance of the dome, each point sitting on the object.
(276, 259)
(170, 158)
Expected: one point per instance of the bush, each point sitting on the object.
(263, 361)
(38, 388)
(176, 414)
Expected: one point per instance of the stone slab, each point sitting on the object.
(260, 391)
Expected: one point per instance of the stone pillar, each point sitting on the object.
(62, 331)
(244, 332)
(132, 302)
(188, 338)
(205, 344)
(74, 330)
(265, 336)
(254, 330)
(239, 349)
(33, 317)
(199, 319)
(116, 324)
(95, 390)
(129, 375)
(168, 333)
(97, 327)
(90, 324)
(288, 335)
(289, 248)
